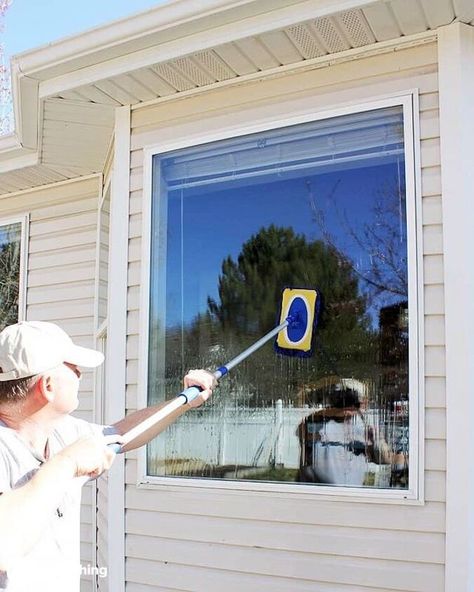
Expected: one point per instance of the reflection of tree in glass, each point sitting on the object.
(250, 288)
(250, 294)
(9, 276)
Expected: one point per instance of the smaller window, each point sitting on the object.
(10, 272)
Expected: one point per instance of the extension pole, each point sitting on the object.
(192, 392)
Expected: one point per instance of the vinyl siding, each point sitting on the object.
(60, 287)
(196, 539)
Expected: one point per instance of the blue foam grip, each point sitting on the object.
(191, 393)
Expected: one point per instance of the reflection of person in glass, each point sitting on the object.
(337, 445)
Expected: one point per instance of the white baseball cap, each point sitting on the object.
(32, 347)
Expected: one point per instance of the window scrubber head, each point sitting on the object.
(300, 307)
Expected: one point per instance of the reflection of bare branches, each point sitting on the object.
(380, 241)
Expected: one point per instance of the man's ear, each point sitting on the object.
(44, 388)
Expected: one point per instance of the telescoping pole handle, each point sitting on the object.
(189, 394)
(192, 392)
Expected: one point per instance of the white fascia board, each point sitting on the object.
(266, 16)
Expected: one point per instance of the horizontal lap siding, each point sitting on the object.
(195, 539)
(60, 287)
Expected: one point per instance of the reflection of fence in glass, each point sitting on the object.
(10, 255)
(237, 442)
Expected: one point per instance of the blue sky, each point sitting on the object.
(31, 23)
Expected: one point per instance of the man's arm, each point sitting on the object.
(201, 378)
(25, 511)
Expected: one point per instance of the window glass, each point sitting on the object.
(319, 204)
(10, 256)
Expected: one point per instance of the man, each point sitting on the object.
(336, 443)
(46, 455)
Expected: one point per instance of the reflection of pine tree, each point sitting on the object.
(9, 284)
(250, 291)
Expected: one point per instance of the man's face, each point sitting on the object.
(65, 383)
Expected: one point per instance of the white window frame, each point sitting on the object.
(408, 100)
(100, 327)
(24, 220)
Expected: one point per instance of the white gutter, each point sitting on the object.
(20, 148)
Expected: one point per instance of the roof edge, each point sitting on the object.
(105, 41)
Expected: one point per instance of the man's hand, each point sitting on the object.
(203, 379)
(90, 455)
(137, 433)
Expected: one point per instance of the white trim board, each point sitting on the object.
(117, 340)
(409, 101)
(456, 98)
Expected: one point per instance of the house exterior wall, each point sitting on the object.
(195, 538)
(60, 287)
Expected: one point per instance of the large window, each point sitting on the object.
(234, 221)
(10, 272)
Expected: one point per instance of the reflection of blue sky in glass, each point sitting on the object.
(328, 180)
(9, 233)
(217, 223)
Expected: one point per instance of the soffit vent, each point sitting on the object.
(305, 41)
(356, 28)
(329, 34)
(173, 77)
(191, 71)
(214, 65)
